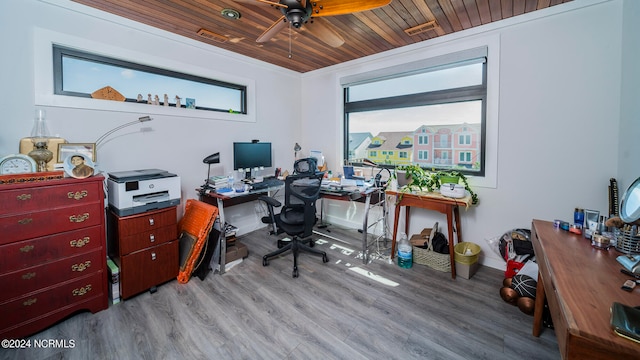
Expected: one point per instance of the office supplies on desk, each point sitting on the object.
(267, 183)
(630, 262)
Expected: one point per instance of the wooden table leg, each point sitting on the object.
(395, 230)
(451, 241)
(538, 310)
(456, 215)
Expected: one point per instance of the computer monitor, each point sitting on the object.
(251, 155)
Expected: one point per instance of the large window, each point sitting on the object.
(78, 73)
(429, 113)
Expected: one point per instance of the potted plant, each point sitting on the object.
(430, 181)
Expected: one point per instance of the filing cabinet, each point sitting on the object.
(52, 253)
(145, 248)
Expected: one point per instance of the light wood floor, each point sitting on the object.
(330, 312)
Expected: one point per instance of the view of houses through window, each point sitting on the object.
(439, 129)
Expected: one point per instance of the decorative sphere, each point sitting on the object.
(507, 282)
(526, 305)
(524, 285)
(509, 295)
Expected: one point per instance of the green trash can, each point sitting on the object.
(466, 259)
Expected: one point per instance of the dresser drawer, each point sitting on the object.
(149, 221)
(139, 241)
(37, 198)
(41, 250)
(40, 223)
(141, 270)
(51, 299)
(24, 281)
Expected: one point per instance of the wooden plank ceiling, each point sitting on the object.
(364, 33)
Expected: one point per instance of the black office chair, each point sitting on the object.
(297, 217)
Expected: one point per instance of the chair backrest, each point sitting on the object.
(300, 194)
(305, 166)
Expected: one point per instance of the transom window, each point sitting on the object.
(78, 73)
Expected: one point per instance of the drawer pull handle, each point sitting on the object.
(80, 242)
(151, 222)
(78, 218)
(30, 302)
(26, 248)
(25, 221)
(23, 197)
(152, 238)
(81, 267)
(28, 276)
(81, 291)
(78, 195)
(153, 256)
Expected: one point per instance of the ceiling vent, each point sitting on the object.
(212, 36)
(430, 25)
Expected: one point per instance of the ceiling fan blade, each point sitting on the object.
(275, 28)
(324, 31)
(341, 7)
(253, 2)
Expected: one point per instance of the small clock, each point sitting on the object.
(17, 164)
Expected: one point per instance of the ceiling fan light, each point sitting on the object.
(296, 17)
(231, 14)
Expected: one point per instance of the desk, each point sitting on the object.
(580, 284)
(367, 196)
(222, 200)
(430, 201)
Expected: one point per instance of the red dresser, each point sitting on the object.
(52, 253)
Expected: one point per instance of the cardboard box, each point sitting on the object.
(235, 252)
(466, 270)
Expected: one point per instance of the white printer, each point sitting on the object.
(136, 191)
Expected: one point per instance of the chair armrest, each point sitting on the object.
(270, 201)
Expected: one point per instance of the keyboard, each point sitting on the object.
(267, 183)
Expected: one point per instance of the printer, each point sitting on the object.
(136, 191)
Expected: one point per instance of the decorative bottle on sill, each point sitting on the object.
(405, 252)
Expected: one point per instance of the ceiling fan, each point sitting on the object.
(297, 12)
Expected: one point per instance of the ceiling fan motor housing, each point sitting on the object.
(295, 13)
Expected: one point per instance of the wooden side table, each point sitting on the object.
(430, 201)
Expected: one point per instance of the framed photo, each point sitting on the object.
(86, 149)
(78, 165)
(191, 103)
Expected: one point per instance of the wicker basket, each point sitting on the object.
(432, 259)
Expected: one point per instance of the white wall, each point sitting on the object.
(557, 119)
(175, 143)
(629, 166)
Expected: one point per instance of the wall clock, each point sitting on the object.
(17, 164)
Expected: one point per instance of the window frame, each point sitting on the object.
(447, 96)
(43, 78)
(59, 52)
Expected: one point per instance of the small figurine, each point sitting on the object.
(149, 101)
(166, 100)
(139, 98)
(177, 101)
(156, 100)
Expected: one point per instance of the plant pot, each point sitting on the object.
(449, 179)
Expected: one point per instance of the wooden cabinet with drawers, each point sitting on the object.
(52, 253)
(145, 248)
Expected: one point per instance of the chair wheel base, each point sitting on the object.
(325, 259)
(265, 261)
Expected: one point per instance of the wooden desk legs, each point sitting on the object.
(539, 307)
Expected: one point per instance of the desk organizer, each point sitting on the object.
(626, 241)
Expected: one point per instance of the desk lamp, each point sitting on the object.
(367, 162)
(211, 159)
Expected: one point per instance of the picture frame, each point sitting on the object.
(86, 149)
(190, 103)
(79, 169)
